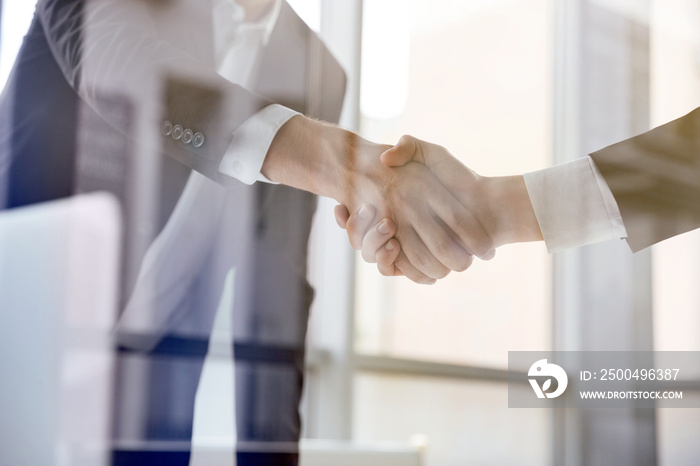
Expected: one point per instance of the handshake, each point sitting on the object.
(426, 214)
(416, 210)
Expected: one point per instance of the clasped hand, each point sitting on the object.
(436, 214)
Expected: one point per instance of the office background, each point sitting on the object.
(507, 86)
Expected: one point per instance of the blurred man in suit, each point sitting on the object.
(178, 107)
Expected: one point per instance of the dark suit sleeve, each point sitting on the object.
(108, 47)
(655, 178)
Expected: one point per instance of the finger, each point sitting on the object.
(419, 255)
(341, 215)
(386, 256)
(466, 227)
(376, 238)
(359, 223)
(442, 244)
(404, 151)
(404, 266)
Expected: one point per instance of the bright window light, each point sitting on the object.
(309, 11)
(385, 49)
(16, 17)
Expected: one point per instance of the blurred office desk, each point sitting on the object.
(337, 453)
(311, 452)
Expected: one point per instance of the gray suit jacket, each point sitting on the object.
(159, 55)
(97, 78)
(655, 178)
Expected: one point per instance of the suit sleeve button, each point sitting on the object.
(198, 140)
(187, 136)
(177, 132)
(166, 128)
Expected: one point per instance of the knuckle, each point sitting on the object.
(384, 258)
(461, 222)
(406, 139)
(429, 267)
(373, 241)
(443, 247)
(404, 267)
(402, 264)
(389, 228)
(418, 277)
(419, 260)
(445, 250)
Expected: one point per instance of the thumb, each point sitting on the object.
(405, 151)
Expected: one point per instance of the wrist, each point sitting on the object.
(327, 160)
(514, 218)
(302, 155)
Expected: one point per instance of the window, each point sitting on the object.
(475, 78)
(16, 16)
(477, 82)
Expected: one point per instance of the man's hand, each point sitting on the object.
(500, 205)
(378, 244)
(430, 222)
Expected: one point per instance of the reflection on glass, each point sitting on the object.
(154, 101)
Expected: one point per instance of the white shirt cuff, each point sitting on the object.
(574, 205)
(245, 156)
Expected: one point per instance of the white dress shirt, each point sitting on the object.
(574, 205)
(238, 45)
